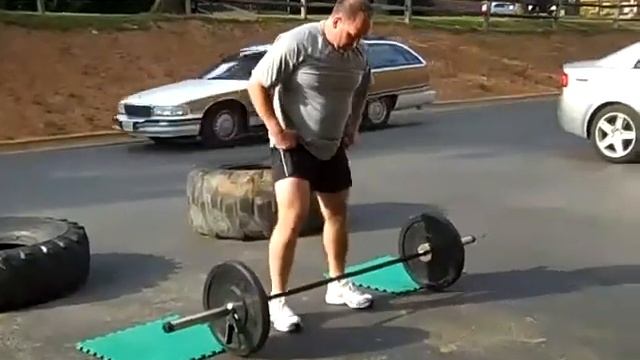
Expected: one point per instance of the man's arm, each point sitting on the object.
(276, 65)
(358, 103)
(261, 99)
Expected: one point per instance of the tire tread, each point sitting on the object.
(34, 276)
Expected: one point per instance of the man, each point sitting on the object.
(319, 77)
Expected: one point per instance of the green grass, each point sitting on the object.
(519, 25)
(64, 22)
(78, 21)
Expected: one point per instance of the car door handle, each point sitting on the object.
(582, 79)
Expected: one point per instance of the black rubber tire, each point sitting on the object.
(208, 136)
(238, 202)
(41, 259)
(387, 104)
(633, 155)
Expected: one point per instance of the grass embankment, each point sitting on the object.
(145, 21)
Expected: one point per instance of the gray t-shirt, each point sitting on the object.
(317, 89)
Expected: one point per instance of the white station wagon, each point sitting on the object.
(215, 107)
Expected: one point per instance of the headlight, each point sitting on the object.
(179, 110)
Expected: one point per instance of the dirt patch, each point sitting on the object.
(61, 82)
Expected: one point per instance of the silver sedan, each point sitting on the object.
(600, 102)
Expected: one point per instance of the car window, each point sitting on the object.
(385, 55)
(637, 66)
(235, 67)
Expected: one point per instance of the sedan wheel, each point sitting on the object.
(377, 113)
(224, 125)
(614, 134)
(221, 125)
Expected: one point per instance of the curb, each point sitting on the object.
(84, 135)
(114, 137)
(98, 138)
(530, 96)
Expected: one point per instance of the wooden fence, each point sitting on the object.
(597, 10)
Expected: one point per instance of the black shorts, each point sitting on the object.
(325, 176)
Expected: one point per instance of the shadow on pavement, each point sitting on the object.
(386, 215)
(316, 341)
(517, 284)
(117, 274)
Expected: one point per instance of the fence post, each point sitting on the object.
(303, 9)
(41, 8)
(556, 15)
(486, 9)
(617, 15)
(407, 11)
(599, 8)
(187, 7)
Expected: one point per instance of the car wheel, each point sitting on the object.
(377, 113)
(614, 134)
(221, 125)
(41, 259)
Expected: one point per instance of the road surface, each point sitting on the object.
(556, 277)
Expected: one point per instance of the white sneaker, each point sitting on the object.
(344, 292)
(282, 317)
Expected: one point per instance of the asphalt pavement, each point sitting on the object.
(555, 278)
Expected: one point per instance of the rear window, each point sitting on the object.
(384, 55)
(235, 67)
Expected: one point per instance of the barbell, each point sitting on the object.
(236, 305)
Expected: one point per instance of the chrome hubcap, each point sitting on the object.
(225, 125)
(376, 111)
(615, 135)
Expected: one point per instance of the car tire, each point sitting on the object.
(222, 124)
(629, 148)
(41, 259)
(238, 202)
(377, 113)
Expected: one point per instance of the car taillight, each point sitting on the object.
(564, 79)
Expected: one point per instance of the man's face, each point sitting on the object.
(350, 31)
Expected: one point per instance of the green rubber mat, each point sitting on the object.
(391, 279)
(149, 342)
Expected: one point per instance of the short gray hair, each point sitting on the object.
(351, 8)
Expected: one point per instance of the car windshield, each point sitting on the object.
(235, 67)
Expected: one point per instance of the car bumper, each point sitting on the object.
(415, 98)
(157, 127)
(572, 113)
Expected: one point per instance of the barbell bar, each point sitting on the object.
(236, 304)
(224, 310)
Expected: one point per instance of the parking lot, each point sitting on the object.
(556, 277)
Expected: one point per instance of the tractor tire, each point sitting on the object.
(238, 202)
(41, 259)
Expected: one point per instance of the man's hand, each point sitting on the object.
(285, 139)
(350, 138)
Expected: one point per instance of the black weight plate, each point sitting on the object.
(447, 250)
(234, 282)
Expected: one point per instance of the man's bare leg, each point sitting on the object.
(335, 239)
(292, 196)
(334, 233)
